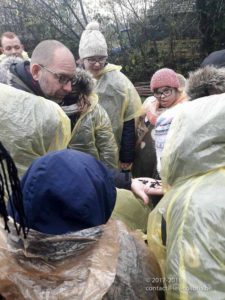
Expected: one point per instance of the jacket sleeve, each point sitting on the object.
(128, 142)
(105, 140)
(122, 179)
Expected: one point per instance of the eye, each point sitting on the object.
(64, 79)
(91, 60)
(167, 91)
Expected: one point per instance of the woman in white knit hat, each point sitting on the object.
(116, 93)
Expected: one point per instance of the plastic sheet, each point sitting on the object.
(193, 173)
(105, 262)
(131, 210)
(31, 126)
(119, 98)
(93, 134)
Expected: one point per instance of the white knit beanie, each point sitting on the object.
(92, 42)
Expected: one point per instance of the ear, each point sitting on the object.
(35, 70)
(1, 50)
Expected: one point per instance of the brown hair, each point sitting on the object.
(8, 35)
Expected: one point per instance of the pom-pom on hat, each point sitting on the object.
(92, 42)
(164, 77)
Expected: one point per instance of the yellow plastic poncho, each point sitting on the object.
(131, 210)
(30, 126)
(105, 262)
(193, 172)
(118, 96)
(93, 134)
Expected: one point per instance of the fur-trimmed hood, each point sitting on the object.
(79, 100)
(5, 75)
(205, 82)
(83, 83)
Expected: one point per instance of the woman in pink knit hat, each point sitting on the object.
(168, 91)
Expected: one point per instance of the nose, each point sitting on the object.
(68, 87)
(13, 51)
(97, 64)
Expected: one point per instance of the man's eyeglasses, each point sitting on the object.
(62, 79)
(166, 92)
(94, 60)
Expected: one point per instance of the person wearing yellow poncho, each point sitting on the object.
(116, 93)
(91, 127)
(72, 250)
(186, 229)
(31, 126)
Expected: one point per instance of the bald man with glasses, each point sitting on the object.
(49, 73)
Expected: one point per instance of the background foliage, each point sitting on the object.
(142, 36)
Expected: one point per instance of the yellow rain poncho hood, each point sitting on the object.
(186, 229)
(31, 126)
(118, 96)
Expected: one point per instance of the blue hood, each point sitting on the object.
(67, 191)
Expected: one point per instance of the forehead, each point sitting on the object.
(10, 42)
(63, 62)
(163, 88)
(96, 57)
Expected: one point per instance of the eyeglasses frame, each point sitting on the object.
(62, 79)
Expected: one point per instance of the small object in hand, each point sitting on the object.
(154, 184)
(143, 181)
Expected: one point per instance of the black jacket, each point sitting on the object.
(22, 79)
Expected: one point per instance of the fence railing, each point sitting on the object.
(143, 89)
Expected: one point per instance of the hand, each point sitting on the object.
(152, 187)
(125, 166)
(137, 187)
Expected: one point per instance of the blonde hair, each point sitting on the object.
(182, 82)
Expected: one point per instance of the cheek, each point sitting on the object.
(7, 51)
(87, 66)
(19, 50)
(45, 83)
(171, 99)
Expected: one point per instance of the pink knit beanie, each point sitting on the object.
(164, 77)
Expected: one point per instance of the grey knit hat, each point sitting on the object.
(92, 42)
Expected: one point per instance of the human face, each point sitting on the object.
(166, 96)
(55, 79)
(12, 47)
(94, 64)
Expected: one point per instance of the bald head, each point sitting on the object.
(45, 51)
(53, 66)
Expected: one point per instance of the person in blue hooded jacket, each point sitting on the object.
(72, 249)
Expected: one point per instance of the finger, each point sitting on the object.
(153, 191)
(144, 197)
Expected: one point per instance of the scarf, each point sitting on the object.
(154, 110)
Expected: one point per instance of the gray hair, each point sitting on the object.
(205, 82)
